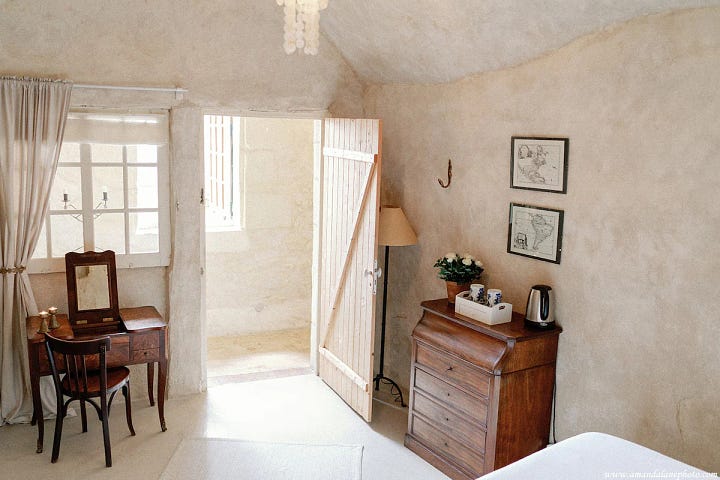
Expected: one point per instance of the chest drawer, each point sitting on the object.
(449, 395)
(448, 445)
(453, 369)
(451, 423)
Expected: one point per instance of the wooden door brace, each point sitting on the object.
(348, 255)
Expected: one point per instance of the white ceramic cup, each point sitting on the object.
(494, 296)
(477, 292)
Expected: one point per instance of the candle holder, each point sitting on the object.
(43, 322)
(53, 318)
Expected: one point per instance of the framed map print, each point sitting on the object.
(535, 232)
(539, 164)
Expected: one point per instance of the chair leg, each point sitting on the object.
(60, 415)
(128, 407)
(83, 415)
(106, 431)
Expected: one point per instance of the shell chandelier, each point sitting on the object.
(302, 25)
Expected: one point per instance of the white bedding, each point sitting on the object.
(596, 456)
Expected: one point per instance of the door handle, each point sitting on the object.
(375, 273)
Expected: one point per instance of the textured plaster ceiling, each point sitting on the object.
(433, 41)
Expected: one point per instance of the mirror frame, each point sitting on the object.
(98, 316)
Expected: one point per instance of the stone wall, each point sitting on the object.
(259, 278)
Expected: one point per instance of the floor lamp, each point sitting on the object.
(395, 231)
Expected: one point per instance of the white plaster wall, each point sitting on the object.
(259, 278)
(637, 290)
(228, 54)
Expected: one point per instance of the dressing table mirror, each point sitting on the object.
(92, 291)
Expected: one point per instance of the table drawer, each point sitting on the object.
(447, 394)
(451, 423)
(145, 341)
(453, 369)
(145, 356)
(448, 446)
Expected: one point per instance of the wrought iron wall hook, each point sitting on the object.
(449, 176)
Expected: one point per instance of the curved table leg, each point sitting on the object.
(37, 404)
(162, 381)
(151, 382)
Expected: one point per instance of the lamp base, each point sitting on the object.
(394, 388)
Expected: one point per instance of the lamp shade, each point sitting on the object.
(395, 231)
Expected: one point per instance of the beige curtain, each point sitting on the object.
(32, 122)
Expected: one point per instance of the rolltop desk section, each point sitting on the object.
(481, 395)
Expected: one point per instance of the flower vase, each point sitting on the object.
(453, 288)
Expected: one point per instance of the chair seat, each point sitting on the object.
(115, 377)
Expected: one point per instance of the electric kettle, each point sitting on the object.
(540, 310)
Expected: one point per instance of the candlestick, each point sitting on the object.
(53, 318)
(43, 322)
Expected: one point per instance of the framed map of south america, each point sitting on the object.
(535, 232)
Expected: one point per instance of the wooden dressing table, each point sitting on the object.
(141, 337)
(138, 335)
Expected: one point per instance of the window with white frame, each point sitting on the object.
(110, 191)
(223, 173)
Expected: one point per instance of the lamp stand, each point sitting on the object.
(394, 389)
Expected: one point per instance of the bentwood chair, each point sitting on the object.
(86, 377)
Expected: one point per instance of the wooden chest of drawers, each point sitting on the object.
(481, 395)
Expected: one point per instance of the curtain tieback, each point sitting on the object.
(4, 270)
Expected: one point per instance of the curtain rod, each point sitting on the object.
(142, 89)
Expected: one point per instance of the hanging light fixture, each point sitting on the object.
(302, 25)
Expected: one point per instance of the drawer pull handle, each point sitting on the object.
(445, 443)
(450, 368)
(447, 419)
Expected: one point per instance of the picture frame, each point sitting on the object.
(539, 163)
(535, 232)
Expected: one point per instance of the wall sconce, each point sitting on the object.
(102, 203)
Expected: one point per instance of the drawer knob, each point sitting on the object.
(450, 368)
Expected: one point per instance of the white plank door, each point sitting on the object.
(346, 279)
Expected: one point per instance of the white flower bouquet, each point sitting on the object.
(459, 268)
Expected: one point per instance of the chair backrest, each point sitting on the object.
(76, 358)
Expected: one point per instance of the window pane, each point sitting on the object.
(41, 247)
(142, 187)
(110, 232)
(67, 235)
(110, 180)
(70, 152)
(66, 183)
(144, 237)
(142, 153)
(107, 153)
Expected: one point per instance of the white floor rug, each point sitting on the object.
(216, 459)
